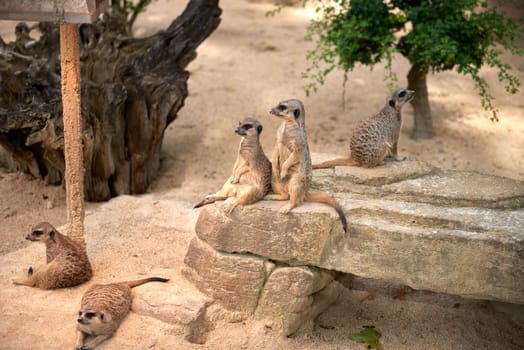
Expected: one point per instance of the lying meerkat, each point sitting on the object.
(251, 177)
(291, 161)
(67, 262)
(103, 308)
(377, 137)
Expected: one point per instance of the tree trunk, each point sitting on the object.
(423, 127)
(131, 91)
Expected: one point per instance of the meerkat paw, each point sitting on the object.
(228, 208)
(234, 181)
(285, 209)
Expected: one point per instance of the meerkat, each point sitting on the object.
(103, 308)
(251, 177)
(375, 138)
(67, 262)
(291, 161)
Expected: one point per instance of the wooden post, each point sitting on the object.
(74, 163)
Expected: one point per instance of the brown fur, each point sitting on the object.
(375, 138)
(67, 262)
(251, 177)
(291, 161)
(103, 308)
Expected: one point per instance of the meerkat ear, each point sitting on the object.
(392, 103)
(52, 235)
(259, 129)
(105, 317)
(296, 112)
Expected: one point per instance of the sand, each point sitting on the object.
(248, 65)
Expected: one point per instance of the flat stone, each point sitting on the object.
(175, 302)
(260, 229)
(454, 188)
(391, 171)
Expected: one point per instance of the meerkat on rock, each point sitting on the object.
(67, 262)
(103, 308)
(375, 138)
(251, 177)
(291, 161)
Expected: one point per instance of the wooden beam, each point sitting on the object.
(74, 164)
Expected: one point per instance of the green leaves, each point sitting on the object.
(348, 33)
(461, 35)
(369, 336)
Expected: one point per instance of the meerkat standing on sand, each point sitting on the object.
(103, 308)
(376, 137)
(67, 262)
(291, 161)
(251, 177)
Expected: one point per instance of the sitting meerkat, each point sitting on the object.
(291, 162)
(251, 177)
(377, 137)
(67, 262)
(103, 308)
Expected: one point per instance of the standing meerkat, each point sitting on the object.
(103, 308)
(67, 262)
(377, 137)
(251, 177)
(291, 161)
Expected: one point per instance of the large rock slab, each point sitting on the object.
(462, 236)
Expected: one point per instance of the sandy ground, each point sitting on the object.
(246, 67)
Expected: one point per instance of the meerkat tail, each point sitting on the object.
(335, 162)
(209, 201)
(136, 283)
(324, 198)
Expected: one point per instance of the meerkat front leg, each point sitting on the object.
(80, 337)
(395, 154)
(294, 158)
(92, 343)
(235, 178)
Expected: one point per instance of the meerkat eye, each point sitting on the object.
(90, 314)
(248, 126)
(37, 233)
(402, 94)
(281, 108)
